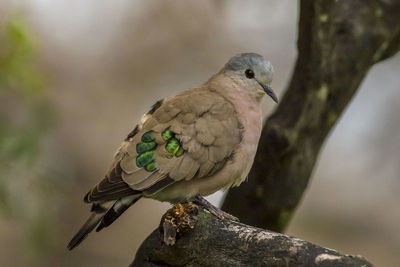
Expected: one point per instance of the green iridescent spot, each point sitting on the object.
(179, 152)
(167, 134)
(145, 158)
(172, 146)
(143, 147)
(150, 167)
(146, 137)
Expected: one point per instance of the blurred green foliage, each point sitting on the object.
(17, 59)
(20, 85)
(26, 116)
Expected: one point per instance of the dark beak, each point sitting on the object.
(268, 91)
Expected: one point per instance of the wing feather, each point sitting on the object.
(201, 124)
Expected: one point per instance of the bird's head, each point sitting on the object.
(254, 71)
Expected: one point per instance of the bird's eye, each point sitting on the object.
(249, 73)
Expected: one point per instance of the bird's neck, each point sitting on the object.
(234, 90)
(245, 101)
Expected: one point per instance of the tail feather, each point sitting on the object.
(89, 225)
(119, 207)
(102, 216)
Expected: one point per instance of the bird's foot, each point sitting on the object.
(182, 217)
(222, 215)
(177, 220)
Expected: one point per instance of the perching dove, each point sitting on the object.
(188, 145)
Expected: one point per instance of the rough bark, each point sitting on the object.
(214, 242)
(338, 43)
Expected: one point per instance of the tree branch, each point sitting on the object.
(338, 43)
(213, 242)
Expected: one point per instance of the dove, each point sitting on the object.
(188, 145)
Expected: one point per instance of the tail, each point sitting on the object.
(103, 217)
(116, 210)
(97, 214)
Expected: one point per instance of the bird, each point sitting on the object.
(187, 146)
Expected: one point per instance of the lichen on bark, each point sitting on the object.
(215, 242)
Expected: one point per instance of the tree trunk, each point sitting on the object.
(339, 41)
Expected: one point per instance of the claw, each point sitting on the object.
(220, 214)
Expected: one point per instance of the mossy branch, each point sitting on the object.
(204, 240)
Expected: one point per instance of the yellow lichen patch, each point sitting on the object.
(292, 137)
(379, 52)
(378, 12)
(322, 93)
(332, 118)
(323, 18)
(284, 217)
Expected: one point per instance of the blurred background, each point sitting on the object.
(76, 76)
